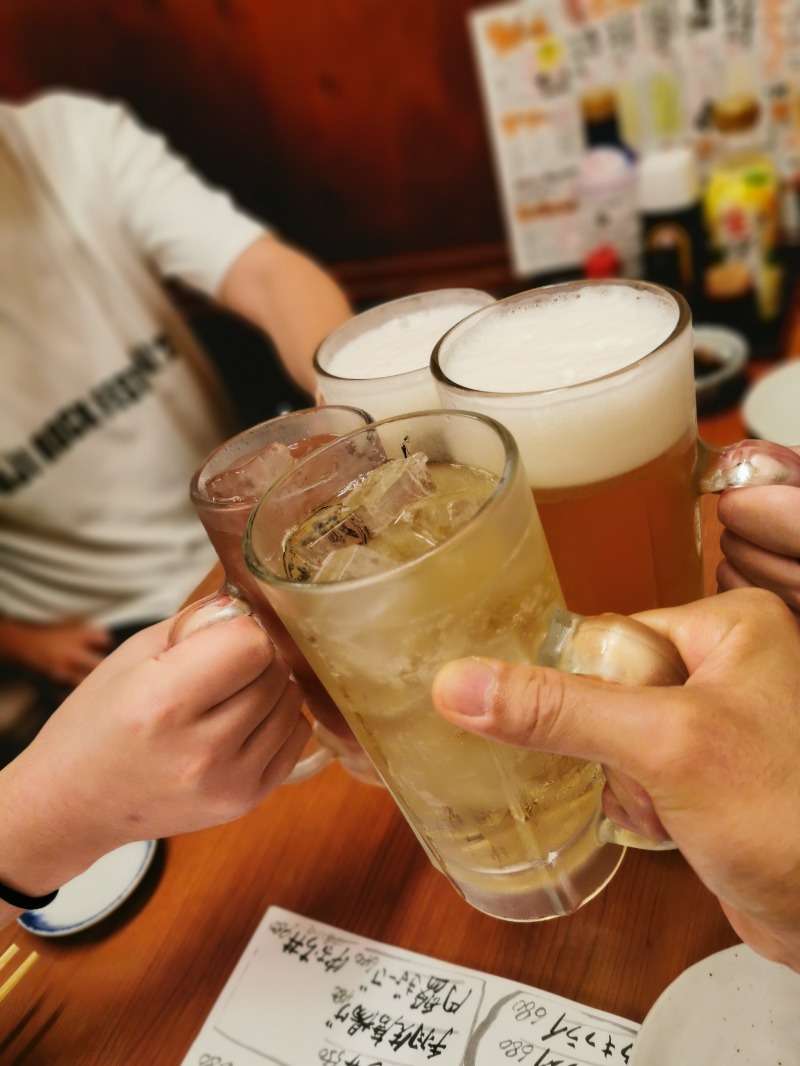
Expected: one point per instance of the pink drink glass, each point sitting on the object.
(224, 491)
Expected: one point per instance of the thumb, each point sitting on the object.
(550, 710)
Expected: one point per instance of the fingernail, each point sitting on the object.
(462, 687)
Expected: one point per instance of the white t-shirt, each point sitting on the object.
(108, 405)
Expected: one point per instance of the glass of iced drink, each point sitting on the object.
(224, 491)
(415, 541)
(380, 359)
(595, 379)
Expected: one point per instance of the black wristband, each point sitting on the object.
(27, 903)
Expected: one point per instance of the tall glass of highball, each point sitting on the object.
(415, 541)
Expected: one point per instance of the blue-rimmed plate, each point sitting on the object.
(94, 894)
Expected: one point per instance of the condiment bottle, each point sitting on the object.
(607, 187)
(673, 237)
(741, 210)
(601, 124)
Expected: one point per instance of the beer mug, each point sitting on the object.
(595, 379)
(415, 541)
(224, 491)
(380, 360)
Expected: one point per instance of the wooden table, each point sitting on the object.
(135, 989)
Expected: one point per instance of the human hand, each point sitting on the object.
(718, 758)
(157, 741)
(64, 654)
(761, 540)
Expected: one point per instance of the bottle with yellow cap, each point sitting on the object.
(741, 209)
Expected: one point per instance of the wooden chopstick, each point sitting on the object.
(20, 971)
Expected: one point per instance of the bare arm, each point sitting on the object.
(192, 231)
(290, 297)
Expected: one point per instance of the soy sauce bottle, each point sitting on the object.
(673, 235)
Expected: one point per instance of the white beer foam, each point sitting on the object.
(396, 345)
(576, 336)
(605, 423)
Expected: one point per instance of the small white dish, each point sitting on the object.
(771, 409)
(94, 894)
(720, 356)
(734, 1007)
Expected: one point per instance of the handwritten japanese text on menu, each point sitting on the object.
(304, 992)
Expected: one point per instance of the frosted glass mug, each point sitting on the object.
(224, 491)
(380, 359)
(613, 455)
(520, 834)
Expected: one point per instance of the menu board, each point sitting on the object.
(304, 992)
(667, 61)
(533, 118)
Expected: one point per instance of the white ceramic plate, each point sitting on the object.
(732, 1008)
(771, 409)
(94, 894)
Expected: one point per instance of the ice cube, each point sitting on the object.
(383, 494)
(372, 503)
(434, 519)
(252, 479)
(308, 544)
(357, 560)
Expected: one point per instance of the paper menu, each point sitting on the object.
(304, 993)
(534, 126)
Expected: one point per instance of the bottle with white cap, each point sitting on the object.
(673, 234)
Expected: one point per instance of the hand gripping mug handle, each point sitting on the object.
(222, 606)
(620, 649)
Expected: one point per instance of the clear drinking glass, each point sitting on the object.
(224, 491)
(380, 360)
(608, 435)
(520, 834)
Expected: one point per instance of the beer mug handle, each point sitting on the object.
(744, 465)
(222, 606)
(620, 649)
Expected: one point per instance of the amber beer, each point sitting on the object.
(596, 382)
(643, 550)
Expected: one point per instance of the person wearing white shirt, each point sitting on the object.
(108, 402)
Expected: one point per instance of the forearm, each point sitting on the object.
(40, 847)
(290, 297)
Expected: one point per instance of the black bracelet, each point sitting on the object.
(27, 903)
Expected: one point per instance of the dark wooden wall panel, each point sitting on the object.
(355, 126)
